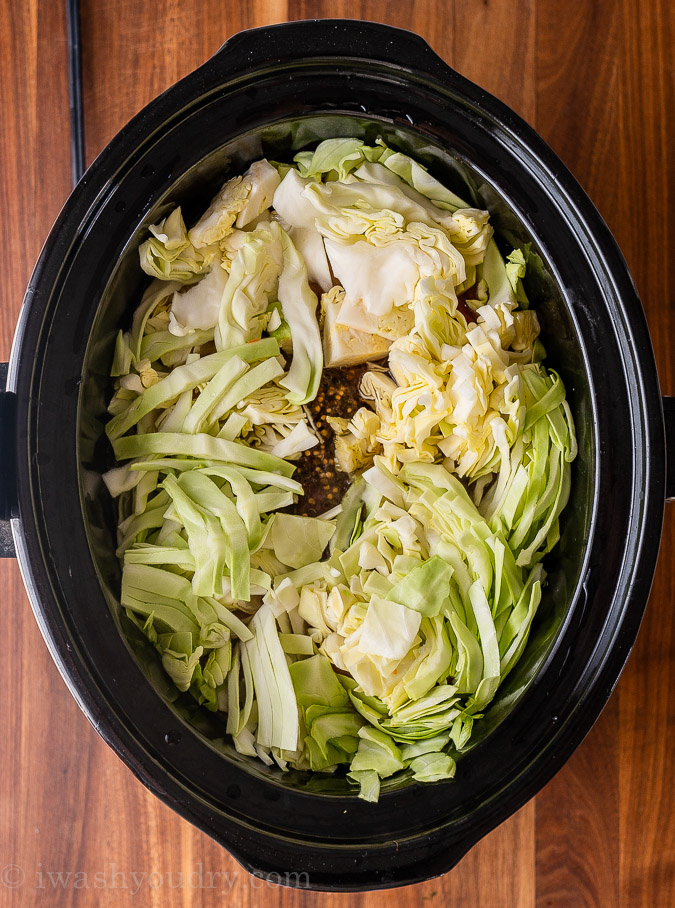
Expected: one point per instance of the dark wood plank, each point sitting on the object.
(646, 692)
(494, 45)
(33, 185)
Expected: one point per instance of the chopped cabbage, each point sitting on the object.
(368, 640)
(298, 304)
(170, 255)
(250, 287)
(199, 306)
(241, 200)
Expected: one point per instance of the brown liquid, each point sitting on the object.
(466, 311)
(325, 485)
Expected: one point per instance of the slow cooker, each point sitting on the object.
(273, 91)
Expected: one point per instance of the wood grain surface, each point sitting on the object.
(595, 78)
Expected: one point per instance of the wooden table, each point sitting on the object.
(595, 78)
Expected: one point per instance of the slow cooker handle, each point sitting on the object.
(669, 420)
(7, 480)
(334, 38)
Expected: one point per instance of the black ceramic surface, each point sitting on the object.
(273, 91)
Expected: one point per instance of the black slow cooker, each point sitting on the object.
(273, 91)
